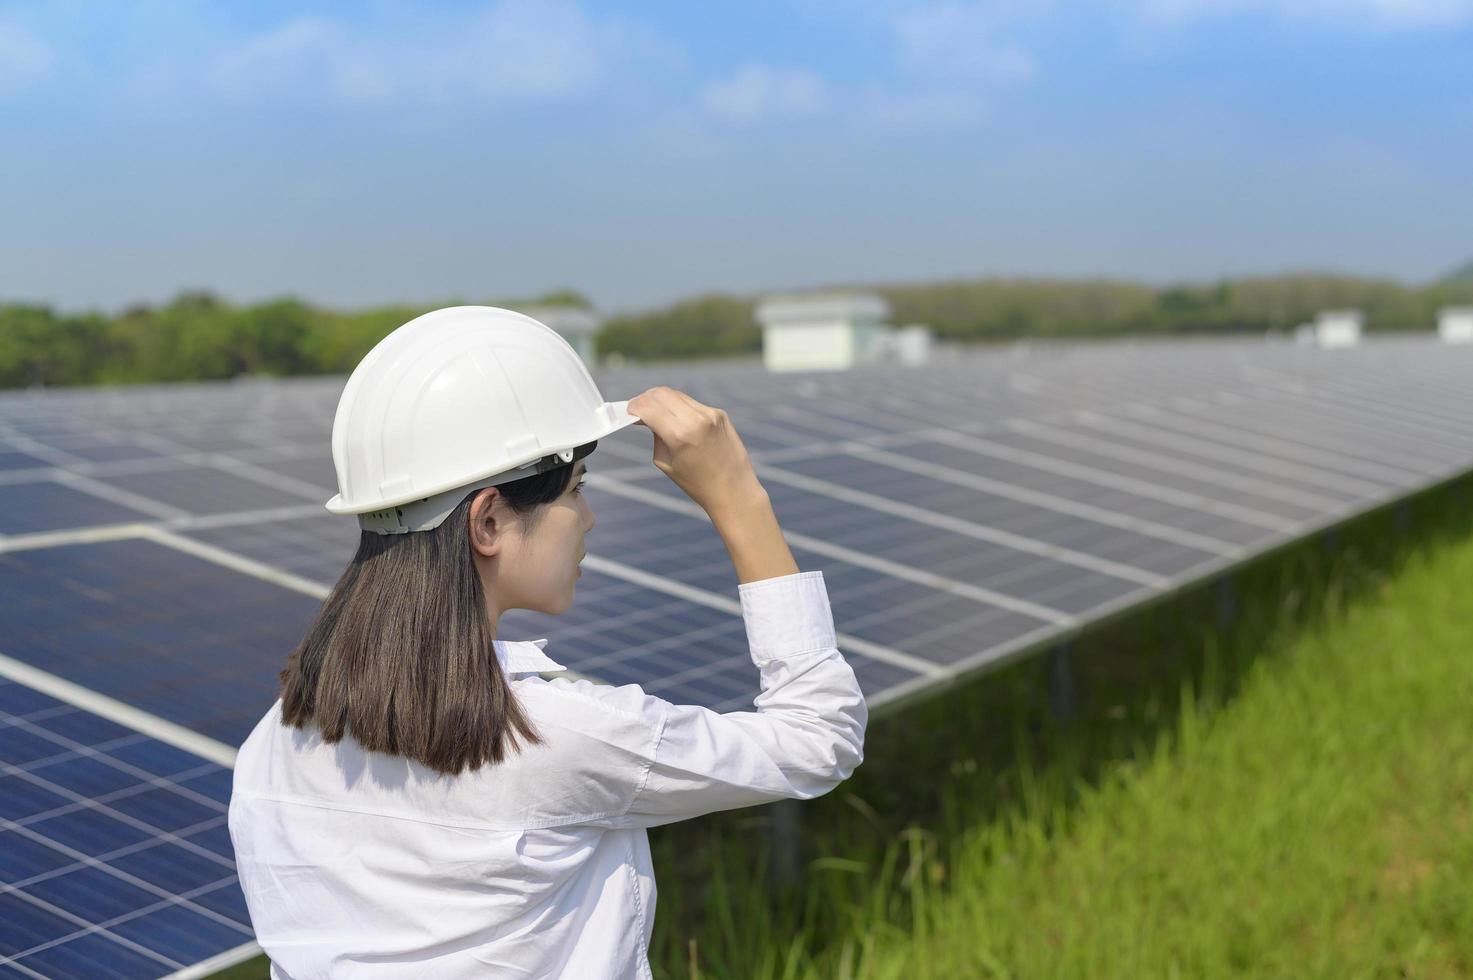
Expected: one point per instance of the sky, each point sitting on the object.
(356, 154)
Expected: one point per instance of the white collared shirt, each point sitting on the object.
(360, 864)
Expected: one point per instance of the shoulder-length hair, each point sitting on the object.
(400, 656)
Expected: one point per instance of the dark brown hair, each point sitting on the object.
(400, 655)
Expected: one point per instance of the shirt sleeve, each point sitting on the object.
(804, 738)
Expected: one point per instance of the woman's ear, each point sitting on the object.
(487, 522)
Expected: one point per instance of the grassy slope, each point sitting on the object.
(1316, 825)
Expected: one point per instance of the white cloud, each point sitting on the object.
(1428, 12)
(24, 58)
(511, 50)
(951, 57)
(924, 109)
(1383, 13)
(759, 91)
(961, 41)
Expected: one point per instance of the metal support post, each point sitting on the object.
(1063, 699)
(1227, 602)
(786, 862)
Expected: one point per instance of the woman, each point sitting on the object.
(422, 801)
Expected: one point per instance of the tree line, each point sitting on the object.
(198, 336)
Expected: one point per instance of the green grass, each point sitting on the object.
(1272, 786)
(1315, 826)
(1164, 831)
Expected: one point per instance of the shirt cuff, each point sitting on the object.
(787, 616)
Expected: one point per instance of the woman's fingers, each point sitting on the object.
(696, 446)
(653, 413)
(687, 400)
(662, 409)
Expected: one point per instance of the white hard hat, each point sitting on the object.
(454, 400)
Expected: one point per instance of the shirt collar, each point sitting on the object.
(524, 657)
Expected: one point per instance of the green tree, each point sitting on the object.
(706, 326)
(273, 338)
(25, 336)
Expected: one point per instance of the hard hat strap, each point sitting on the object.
(430, 512)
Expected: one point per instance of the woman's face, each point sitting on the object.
(532, 563)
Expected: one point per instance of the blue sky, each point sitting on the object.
(360, 153)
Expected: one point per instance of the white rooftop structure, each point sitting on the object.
(823, 331)
(909, 345)
(1455, 324)
(574, 324)
(1338, 328)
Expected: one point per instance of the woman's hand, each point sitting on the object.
(698, 448)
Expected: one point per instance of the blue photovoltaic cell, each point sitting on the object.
(924, 622)
(182, 638)
(969, 561)
(1044, 474)
(97, 449)
(1166, 472)
(46, 505)
(215, 440)
(1145, 442)
(682, 547)
(115, 859)
(927, 622)
(316, 470)
(1020, 517)
(624, 633)
(317, 548)
(201, 490)
(14, 459)
(921, 620)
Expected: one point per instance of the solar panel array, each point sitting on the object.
(115, 856)
(164, 547)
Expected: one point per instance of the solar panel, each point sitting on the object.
(1272, 498)
(202, 490)
(115, 859)
(1083, 457)
(624, 633)
(89, 447)
(11, 459)
(166, 544)
(315, 469)
(47, 505)
(317, 547)
(1125, 495)
(1072, 527)
(186, 639)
